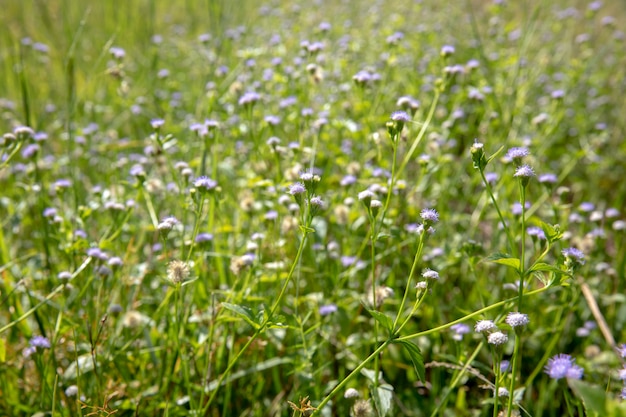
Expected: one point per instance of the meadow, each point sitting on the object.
(312, 208)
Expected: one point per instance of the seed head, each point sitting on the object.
(177, 271)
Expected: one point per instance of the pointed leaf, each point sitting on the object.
(593, 397)
(495, 154)
(383, 319)
(542, 266)
(416, 357)
(383, 396)
(243, 312)
(504, 259)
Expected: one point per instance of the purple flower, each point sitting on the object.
(204, 237)
(30, 151)
(574, 255)
(515, 319)
(429, 216)
(157, 123)
(400, 116)
(205, 183)
(430, 274)
(537, 232)
(297, 188)
(563, 366)
(327, 309)
(524, 171)
(249, 98)
(459, 330)
(39, 342)
(447, 50)
(497, 338)
(347, 180)
(484, 326)
(517, 153)
(548, 178)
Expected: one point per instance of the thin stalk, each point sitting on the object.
(421, 133)
(356, 370)
(495, 204)
(264, 324)
(418, 255)
(515, 366)
(522, 272)
(469, 316)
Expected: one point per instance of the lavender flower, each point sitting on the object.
(429, 216)
(536, 232)
(483, 326)
(516, 154)
(497, 338)
(574, 256)
(297, 189)
(524, 171)
(327, 309)
(205, 184)
(459, 330)
(430, 274)
(515, 319)
(563, 366)
(40, 342)
(204, 237)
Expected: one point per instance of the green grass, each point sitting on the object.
(289, 303)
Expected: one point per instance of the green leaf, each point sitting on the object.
(243, 312)
(593, 397)
(542, 266)
(495, 154)
(383, 319)
(383, 396)
(504, 259)
(3, 351)
(416, 357)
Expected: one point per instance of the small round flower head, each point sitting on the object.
(249, 99)
(351, 393)
(177, 271)
(516, 154)
(459, 330)
(621, 374)
(505, 366)
(157, 123)
(63, 275)
(503, 392)
(430, 216)
(117, 52)
(205, 184)
(483, 326)
(362, 408)
(297, 188)
(497, 338)
(39, 342)
(621, 350)
(536, 232)
(447, 50)
(327, 309)
(71, 391)
(400, 116)
(421, 285)
(563, 366)
(548, 178)
(366, 197)
(515, 319)
(430, 274)
(204, 237)
(574, 255)
(116, 261)
(23, 132)
(317, 202)
(525, 171)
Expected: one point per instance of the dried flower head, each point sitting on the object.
(177, 271)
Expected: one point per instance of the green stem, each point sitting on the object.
(421, 133)
(469, 316)
(265, 322)
(496, 370)
(356, 370)
(515, 365)
(418, 255)
(522, 272)
(495, 203)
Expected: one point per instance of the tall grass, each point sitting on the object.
(312, 208)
